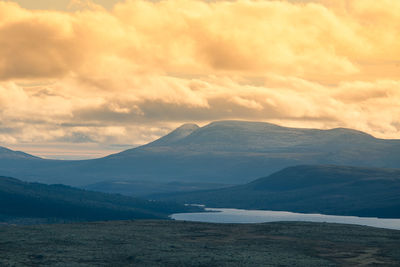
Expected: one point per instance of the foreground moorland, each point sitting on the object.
(172, 243)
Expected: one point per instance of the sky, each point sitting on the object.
(82, 79)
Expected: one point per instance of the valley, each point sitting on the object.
(325, 189)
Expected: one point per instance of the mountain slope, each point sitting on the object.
(9, 154)
(176, 135)
(145, 188)
(227, 152)
(334, 190)
(34, 200)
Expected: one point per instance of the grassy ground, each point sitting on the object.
(170, 243)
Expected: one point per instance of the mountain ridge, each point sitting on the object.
(6, 153)
(224, 152)
(177, 134)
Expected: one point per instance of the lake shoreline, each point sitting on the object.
(240, 216)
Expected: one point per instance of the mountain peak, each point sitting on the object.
(187, 127)
(177, 134)
(242, 124)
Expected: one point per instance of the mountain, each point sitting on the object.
(176, 135)
(333, 190)
(224, 152)
(8, 154)
(33, 200)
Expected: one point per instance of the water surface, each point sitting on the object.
(214, 215)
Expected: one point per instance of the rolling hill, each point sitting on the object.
(58, 202)
(333, 190)
(8, 154)
(224, 152)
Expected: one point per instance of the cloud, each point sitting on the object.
(315, 40)
(129, 74)
(55, 113)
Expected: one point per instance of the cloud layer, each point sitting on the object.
(129, 74)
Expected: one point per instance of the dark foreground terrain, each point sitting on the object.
(171, 243)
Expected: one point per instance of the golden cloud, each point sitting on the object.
(319, 41)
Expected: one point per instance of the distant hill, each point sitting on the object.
(145, 188)
(33, 200)
(334, 190)
(9, 154)
(225, 152)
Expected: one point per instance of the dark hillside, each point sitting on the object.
(34, 200)
(327, 189)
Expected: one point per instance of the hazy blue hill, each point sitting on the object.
(145, 188)
(225, 152)
(335, 190)
(34, 200)
(9, 154)
(238, 136)
(238, 152)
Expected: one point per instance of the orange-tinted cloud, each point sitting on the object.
(320, 41)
